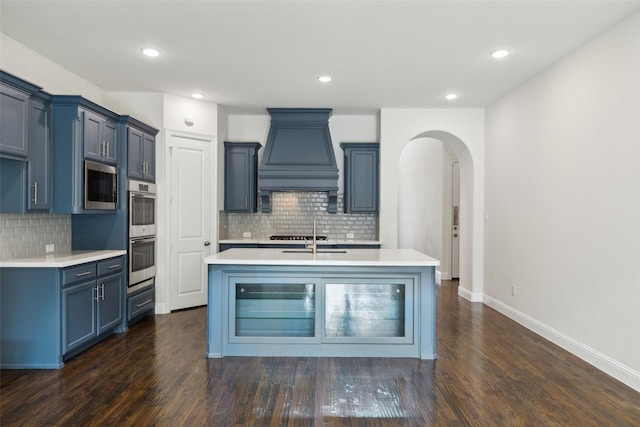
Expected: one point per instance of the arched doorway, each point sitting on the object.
(422, 190)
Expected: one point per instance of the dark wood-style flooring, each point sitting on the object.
(490, 371)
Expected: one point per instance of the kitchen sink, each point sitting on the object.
(319, 251)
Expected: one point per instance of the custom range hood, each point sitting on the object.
(298, 155)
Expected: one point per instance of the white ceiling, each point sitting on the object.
(248, 55)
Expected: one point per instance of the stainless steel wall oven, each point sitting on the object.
(142, 235)
(142, 262)
(142, 209)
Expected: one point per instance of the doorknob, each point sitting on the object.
(207, 243)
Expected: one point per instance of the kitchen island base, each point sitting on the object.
(320, 310)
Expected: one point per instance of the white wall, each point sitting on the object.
(17, 59)
(420, 195)
(563, 202)
(462, 130)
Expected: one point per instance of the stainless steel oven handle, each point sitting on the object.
(145, 240)
(143, 195)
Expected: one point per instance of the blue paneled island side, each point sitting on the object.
(333, 303)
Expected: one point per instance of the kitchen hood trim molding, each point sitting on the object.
(298, 155)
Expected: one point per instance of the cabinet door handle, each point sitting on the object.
(102, 291)
(143, 303)
(97, 299)
(35, 193)
(86, 273)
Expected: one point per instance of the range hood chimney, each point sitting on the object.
(298, 155)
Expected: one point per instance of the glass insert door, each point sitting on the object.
(275, 310)
(372, 312)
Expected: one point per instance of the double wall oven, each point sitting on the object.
(142, 235)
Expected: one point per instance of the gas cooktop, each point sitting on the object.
(294, 237)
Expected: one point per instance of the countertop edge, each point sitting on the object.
(300, 242)
(356, 258)
(61, 260)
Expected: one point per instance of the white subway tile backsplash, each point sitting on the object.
(293, 213)
(25, 235)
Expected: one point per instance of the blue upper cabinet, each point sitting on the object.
(361, 170)
(241, 176)
(14, 121)
(25, 146)
(81, 130)
(140, 148)
(39, 165)
(100, 138)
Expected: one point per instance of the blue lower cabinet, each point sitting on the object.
(141, 303)
(110, 302)
(48, 315)
(79, 311)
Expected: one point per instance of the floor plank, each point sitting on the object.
(490, 371)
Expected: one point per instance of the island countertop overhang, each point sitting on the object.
(349, 257)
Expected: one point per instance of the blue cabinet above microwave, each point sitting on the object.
(82, 130)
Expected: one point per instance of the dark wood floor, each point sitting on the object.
(490, 372)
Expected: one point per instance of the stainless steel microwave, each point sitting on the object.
(100, 186)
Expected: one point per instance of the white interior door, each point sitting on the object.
(190, 221)
(455, 220)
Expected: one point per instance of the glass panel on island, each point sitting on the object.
(365, 310)
(275, 310)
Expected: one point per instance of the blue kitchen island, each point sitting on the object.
(333, 303)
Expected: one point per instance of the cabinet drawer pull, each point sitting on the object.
(102, 291)
(86, 273)
(144, 303)
(113, 266)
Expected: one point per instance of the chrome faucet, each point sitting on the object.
(314, 244)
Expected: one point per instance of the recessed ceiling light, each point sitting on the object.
(500, 53)
(324, 79)
(151, 52)
(451, 96)
(197, 95)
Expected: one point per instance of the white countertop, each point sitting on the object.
(62, 259)
(331, 257)
(300, 242)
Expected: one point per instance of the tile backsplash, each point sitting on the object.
(293, 213)
(26, 235)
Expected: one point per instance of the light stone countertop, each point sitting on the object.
(328, 257)
(62, 259)
(300, 242)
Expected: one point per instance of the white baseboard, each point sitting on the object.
(162, 308)
(601, 361)
(468, 295)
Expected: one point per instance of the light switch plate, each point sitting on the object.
(350, 235)
(246, 234)
(50, 248)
